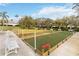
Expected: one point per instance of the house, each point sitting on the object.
(11, 23)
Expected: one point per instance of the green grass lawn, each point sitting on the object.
(8, 27)
(52, 39)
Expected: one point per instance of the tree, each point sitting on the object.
(44, 23)
(48, 23)
(27, 22)
(16, 16)
(59, 23)
(4, 17)
(76, 8)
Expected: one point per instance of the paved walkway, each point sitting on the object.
(69, 48)
(24, 50)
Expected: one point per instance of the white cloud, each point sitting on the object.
(54, 12)
(3, 4)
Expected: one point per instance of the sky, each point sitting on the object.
(37, 10)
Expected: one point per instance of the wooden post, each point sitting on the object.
(57, 45)
(48, 52)
(35, 39)
(49, 46)
(42, 51)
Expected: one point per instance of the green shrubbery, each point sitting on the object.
(64, 28)
(77, 29)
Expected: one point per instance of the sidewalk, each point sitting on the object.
(24, 50)
(69, 48)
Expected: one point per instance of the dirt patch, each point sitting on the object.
(31, 36)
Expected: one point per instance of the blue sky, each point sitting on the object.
(48, 10)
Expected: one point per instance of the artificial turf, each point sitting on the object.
(52, 39)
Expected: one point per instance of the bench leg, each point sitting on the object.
(6, 52)
(16, 51)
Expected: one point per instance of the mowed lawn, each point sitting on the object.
(52, 39)
(8, 27)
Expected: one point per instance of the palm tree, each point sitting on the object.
(16, 16)
(4, 17)
(17, 28)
